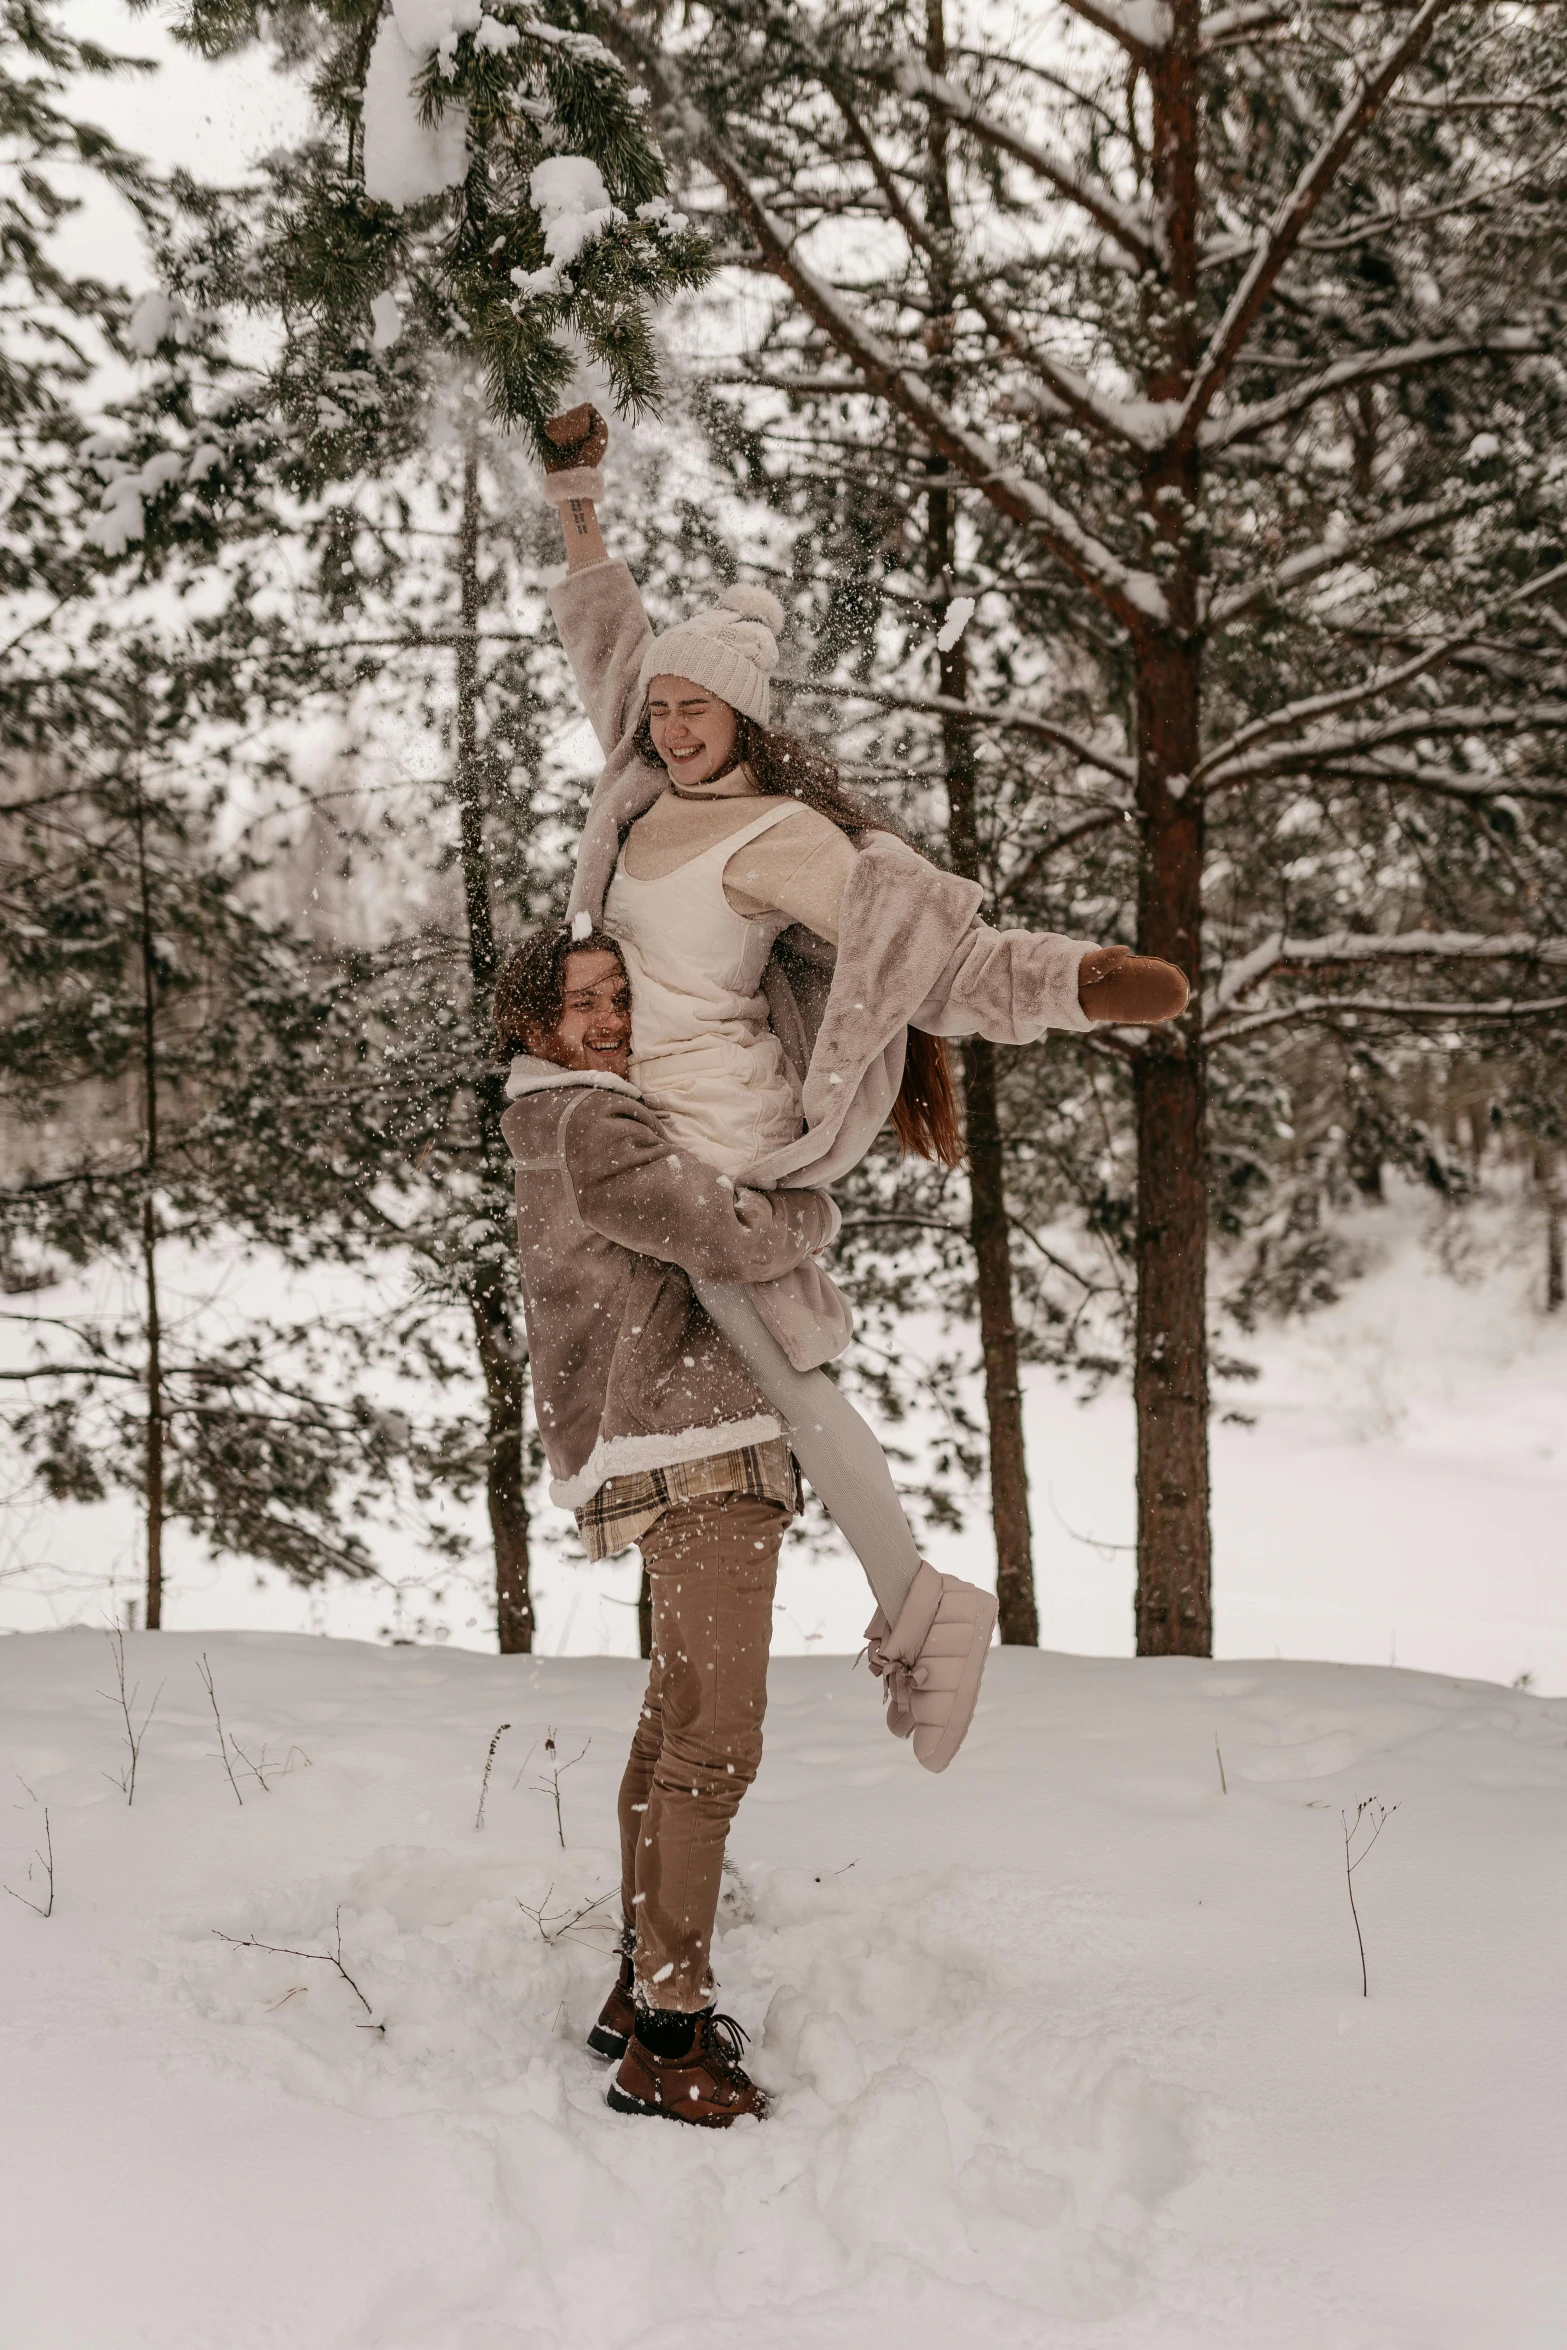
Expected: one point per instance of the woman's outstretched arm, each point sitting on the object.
(574, 485)
(596, 606)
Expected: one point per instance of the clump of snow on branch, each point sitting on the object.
(386, 320)
(571, 200)
(959, 613)
(406, 160)
(157, 318)
(122, 518)
(429, 25)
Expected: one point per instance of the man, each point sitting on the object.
(656, 1434)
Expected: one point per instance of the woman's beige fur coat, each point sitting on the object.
(913, 950)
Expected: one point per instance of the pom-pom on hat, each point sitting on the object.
(731, 649)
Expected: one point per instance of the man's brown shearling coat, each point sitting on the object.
(628, 1372)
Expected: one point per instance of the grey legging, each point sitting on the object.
(845, 1464)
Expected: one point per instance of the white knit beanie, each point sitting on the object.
(732, 650)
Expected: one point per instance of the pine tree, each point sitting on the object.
(482, 183)
(1241, 348)
(169, 1067)
(52, 323)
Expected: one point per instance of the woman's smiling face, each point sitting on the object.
(693, 731)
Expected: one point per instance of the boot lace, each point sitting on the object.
(724, 2041)
(899, 1680)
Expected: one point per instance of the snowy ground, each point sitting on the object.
(1069, 2045)
(1401, 1497)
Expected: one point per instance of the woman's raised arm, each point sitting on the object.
(574, 485)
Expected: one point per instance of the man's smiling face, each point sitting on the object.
(594, 1029)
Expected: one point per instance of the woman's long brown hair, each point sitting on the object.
(782, 766)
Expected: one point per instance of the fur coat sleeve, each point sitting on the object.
(605, 632)
(913, 953)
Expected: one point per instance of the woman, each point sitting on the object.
(794, 964)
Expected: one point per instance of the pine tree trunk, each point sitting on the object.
(1547, 1174)
(1170, 1374)
(502, 1351)
(1170, 1379)
(988, 1231)
(505, 1491)
(1019, 1611)
(153, 1482)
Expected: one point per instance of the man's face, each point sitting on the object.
(693, 731)
(595, 1016)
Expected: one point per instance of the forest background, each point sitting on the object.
(1151, 421)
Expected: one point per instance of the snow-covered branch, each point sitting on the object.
(1141, 26)
(1459, 718)
(1141, 425)
(1340, 949)
(1228, 1030)
(1134, 597)
(1233, 25)
(1003, 714)
(1443, 783)
(1119, 222)
(1314, 707)
(1368, 367)
(1290, 220)
(1344, 547)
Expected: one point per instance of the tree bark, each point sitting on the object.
(1547, 1173)
(1170, 1375)
(1170, 1378)
(153, 1484)
(988, 1229)
(502, 1349)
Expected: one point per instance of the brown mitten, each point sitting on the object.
(1115, 984)
(581, 436)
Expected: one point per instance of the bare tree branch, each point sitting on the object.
(1234, 25)
(1123, 226)
(1006, 714)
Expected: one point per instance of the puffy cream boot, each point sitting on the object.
(930, 1662)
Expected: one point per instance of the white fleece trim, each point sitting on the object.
(623, 1456)
(531, 1076)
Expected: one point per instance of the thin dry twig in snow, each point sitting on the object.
(563, 1923)
(331, 1958)
(489, 1764)
(1224, 1784)
(1367, 1810)
(45, 1859)
(205, 1671)
(549, 1784)
(126, 1780)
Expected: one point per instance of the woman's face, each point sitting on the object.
(693, 731)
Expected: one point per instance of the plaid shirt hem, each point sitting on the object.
(623, 1508)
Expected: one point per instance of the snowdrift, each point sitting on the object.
(1069, 2046)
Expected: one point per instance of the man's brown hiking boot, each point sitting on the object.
(707, 2085)
(618, 2015)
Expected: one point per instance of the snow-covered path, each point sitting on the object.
(1069, 2044)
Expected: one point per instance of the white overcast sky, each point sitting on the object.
(213, 119)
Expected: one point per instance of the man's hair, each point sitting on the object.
(530, 993)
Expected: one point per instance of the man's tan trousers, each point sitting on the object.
(712, 1564)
